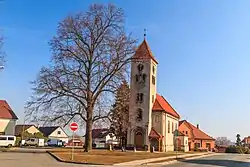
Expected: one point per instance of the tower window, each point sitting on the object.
(144, 77)
(153, 80)
(139, 97)
(136, 78)
(139, 114)
(140, 67)
(153, 70)
(153, 98)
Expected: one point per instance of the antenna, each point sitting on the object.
(145, 31)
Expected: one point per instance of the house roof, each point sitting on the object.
(161, 104)
(5, 111)
(196, 133)
(144, 52)
(47, 130)
(20, 128)
(100, 133)
(154, 134)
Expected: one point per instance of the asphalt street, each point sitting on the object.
(222, 160)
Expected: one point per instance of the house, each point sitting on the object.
(151, 117)
(103, 137)
(7, 119)
(54, 132)
(78, 141)
(197, 139)
(246, 142)
(20, 129)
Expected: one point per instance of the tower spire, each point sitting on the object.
(145, 33)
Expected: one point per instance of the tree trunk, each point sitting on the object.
(89, 124)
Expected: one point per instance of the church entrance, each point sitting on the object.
(139, 139)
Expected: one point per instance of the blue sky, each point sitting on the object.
(203, 49)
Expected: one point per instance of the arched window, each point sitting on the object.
(172, 127)
(139, 114)
(140, 67)
(168, 126)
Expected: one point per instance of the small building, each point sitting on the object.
(7, 119)
(181, 141)
(20, 129)
(103, 137)
(246, 142)
(197, 139)
(77, 141)
(54, 132)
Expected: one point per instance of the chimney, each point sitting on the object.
(197, 126)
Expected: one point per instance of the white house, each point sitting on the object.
(7, 119)
(103, 137)
(55, 132)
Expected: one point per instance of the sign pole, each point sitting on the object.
(72, 154)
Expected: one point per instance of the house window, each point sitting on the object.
(197, 145)
(172, 127)
(58, 132)
(168, 126)
(153, 80)
(139, 97)
(139, 114)
(186, 132)
(157, 119)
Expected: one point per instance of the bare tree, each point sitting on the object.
(90, 55)
(222, 141)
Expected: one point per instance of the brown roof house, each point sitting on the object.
(7, 119)
(197, 139)
(20, 129)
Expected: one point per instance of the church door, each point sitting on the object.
(138, 139)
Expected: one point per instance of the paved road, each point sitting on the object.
(31, 160)
(223, 160)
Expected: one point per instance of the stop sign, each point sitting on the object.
(73, 126)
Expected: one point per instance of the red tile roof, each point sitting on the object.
(161, 104)
(154, 134)
(196, 133)
(144, 52)
(5, 111)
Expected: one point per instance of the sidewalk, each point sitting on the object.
(152, 160)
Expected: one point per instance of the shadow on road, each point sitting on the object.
(225, 163)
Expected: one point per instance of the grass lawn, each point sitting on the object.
(106, 157)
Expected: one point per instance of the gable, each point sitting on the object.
(5, 111)
(58, 132)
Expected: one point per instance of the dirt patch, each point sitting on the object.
(105, 157)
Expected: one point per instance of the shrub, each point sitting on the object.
(237, 149)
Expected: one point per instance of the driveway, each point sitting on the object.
(221, 160)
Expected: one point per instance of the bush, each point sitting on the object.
(18, 141)
(237, 150)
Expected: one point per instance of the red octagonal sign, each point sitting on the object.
(73, 126)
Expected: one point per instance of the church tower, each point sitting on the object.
(142, 97)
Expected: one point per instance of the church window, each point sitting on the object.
(139, 114)
(153, 98)
(153, 69)
(144, 77)
(153, 80)
(140, 67)
(139, 97)
(168, 126)
(176, 126)
(172, 127)
(136, 78)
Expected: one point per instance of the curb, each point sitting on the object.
(179, 160)
(70, 162)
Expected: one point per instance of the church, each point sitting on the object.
(153, 122)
